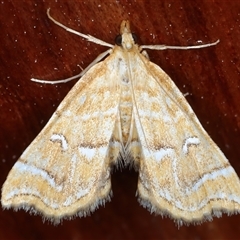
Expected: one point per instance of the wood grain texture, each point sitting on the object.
(32, 46)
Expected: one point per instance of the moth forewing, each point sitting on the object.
(123, 106)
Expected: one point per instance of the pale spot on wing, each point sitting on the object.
(82, 99)
(89, 153)
(162, 153)
(167, 119)
(60, 138)
(168, 101)
(67, 113)
(188, 142)
(102, 150)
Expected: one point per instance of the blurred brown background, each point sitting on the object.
(33, 46)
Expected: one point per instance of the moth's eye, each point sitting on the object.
(135, 38)
(118, 40)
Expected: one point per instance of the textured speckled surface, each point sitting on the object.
(32, 46)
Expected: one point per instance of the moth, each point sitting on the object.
(123, 108)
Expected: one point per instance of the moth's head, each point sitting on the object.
(126, 39)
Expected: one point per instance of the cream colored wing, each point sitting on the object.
(66, 169)
(182, 173)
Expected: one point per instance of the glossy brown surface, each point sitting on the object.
(32, 46)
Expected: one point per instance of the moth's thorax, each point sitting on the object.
(127, 41)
